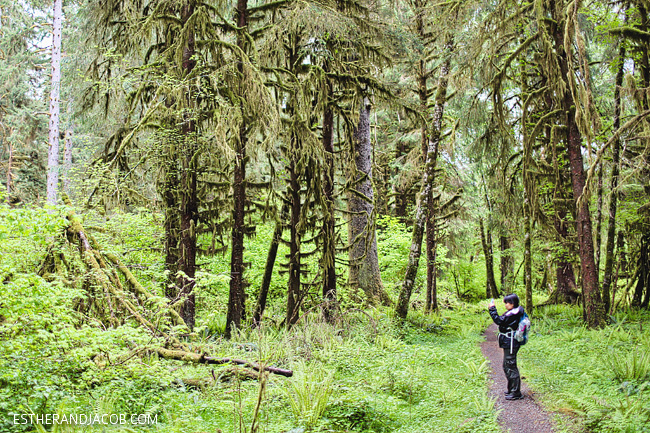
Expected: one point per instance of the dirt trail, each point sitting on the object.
(517, 416)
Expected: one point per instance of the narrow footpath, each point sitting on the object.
(517, 416)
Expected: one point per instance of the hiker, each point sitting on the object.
(508, 324)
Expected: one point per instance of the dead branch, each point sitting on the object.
(199, 358)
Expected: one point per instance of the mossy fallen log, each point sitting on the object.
(200, 358)
(221, 376)
(139, 289)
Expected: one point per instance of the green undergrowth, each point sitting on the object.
(366, 373)
(599, 378)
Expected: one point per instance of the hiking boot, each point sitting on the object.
(514, 396)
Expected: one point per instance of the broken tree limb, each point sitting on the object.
(137, 287)
(107, 277)
(199, 358)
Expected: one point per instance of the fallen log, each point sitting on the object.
(137, 287)
(222, 376)
(199, 358)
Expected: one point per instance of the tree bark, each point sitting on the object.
(171, 223)
(237, 296)
(431, 304)
(268, 272)
(593, 305)
(10, 177)
(67, 159)
(491, 290)
(198, 358)
(329, 241)
(364, 261)
(422, 207)
(599, 218)
(294, 286)
(188, 192)
(53, 151)
(613, 197)
(566, 291)
(506, 263)
(528, 257)
(641, 296)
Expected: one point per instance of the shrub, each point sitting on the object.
(633, 367)
(308, 393)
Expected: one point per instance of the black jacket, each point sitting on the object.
(508, 322)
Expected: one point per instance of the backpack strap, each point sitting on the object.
(511, 335)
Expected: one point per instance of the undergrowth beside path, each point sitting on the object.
(601, 378)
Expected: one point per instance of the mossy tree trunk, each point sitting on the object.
(528, 256)
(431, 303)
(237, 295)
(566, 281)
(188, 188)
(426, 194)
(364, 262)
(593, 305)
(171, 222)
(268, 271)
(329, 221)
(491, 290)
(295, 208)
(599, 218)
(613, 197)
(507, 263)
(641, 296)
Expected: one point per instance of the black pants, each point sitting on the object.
(511, 370)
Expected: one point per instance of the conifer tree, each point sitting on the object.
(195, 89)
(55, 91)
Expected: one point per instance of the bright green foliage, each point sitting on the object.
(600, 376)
(308, 393)
(375, 376)
(21, 66)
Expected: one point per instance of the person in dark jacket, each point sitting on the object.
(508, 324)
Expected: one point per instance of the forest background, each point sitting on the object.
(160, 157)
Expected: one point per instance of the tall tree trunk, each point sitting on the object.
(613, 197)
(10, 176)
(364, 262)
(426, 192)
(67, 159)
(188, 189)
(294, 288)
(53, 151)
(566, 291)
(599, 218)
(171, 223)
(528, 257)
(431, 304)
(593, 304)
(491, 290)
(642, 290)
(329, 241)
(237, 296)
(506, 263)
(268, 271)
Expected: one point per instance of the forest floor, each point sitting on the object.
(517, 416)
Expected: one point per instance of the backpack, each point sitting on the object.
(521, 334)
